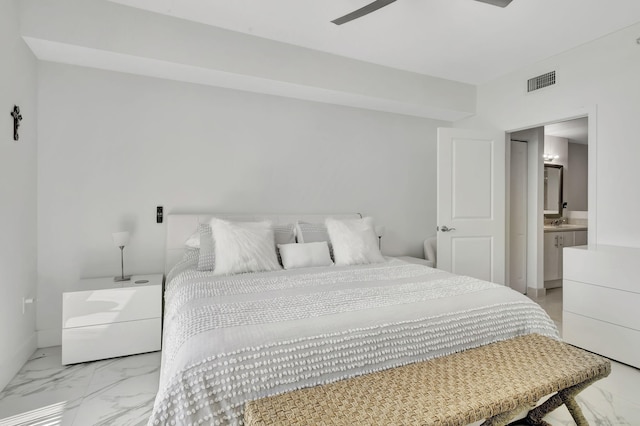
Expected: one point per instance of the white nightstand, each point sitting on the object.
(106, 319)
(416, 260)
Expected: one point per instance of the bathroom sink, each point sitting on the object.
(565, 226)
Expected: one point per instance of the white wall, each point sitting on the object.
(81, 32)
(599, 76)
(113, 146)
(18, 195)
(557, 146)
(576, 177)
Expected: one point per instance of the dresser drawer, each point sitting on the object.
(94, 307)
(82, 344)
(619, 307)
(611, 340)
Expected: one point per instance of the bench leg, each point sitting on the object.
(566, 397)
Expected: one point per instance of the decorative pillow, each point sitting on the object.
(191, 253)
(354, 241)
(313, 233)
(207, 258)
(283, 234)
(243, 247)
(303, 255)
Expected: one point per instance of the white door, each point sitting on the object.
(518, 190)
(471, 203)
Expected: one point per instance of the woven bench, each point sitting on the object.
(493, 382)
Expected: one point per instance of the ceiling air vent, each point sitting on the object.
(544, 80)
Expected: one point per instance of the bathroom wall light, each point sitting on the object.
(550, 157)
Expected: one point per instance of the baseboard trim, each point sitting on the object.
(14, 362)
(49, 337)
(536, 292)
(553, 284)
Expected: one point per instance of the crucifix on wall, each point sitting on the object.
(17, 118)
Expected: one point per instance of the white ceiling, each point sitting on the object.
(461, 40)
(576, 130)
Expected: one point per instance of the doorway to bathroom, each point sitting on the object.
(546, 215)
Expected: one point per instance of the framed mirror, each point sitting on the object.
(553, 190)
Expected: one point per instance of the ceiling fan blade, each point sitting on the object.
(371, 7)
(500, 3)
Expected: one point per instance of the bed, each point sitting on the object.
(231, 339)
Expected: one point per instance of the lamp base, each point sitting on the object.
(121, 278)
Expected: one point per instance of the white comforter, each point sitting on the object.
(229, 340)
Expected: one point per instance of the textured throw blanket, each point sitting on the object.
(229, 340)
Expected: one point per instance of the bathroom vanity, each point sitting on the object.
(555, 239)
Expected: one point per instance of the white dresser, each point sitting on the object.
(601, 301)
(106, 319)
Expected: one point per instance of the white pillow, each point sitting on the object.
(304, 255)
(354, 241)
(193, 241)
(283, 234)
(243, 247)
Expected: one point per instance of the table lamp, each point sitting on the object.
(121, 239)
(380, 230)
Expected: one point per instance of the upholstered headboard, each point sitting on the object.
(181, 226)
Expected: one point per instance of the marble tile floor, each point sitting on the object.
(118, 391)
(614, 400)
(552, 304)
(121, 391)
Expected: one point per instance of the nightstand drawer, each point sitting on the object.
(107, 341)
(94, 307)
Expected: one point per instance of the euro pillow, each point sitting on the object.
(354, 241)
(243, 247)
(313, 233)
(305, 255)
(207, 257)
(283, 234)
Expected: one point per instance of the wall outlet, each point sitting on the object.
(26, 301)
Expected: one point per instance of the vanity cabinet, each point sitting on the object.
(554, 242)
(580, 238)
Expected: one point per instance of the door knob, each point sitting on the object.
(446, 229)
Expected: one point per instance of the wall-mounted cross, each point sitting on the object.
(17, 118)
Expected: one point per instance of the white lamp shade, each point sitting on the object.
(121, 238)
(380, 230)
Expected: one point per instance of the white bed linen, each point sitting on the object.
(228, 340)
